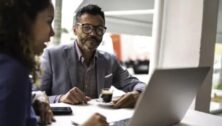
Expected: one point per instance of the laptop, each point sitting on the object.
(168, 96)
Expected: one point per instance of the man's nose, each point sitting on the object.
(93, 32)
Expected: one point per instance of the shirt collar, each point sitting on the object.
(79, 53)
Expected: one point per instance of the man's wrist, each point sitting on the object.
(139, 91)
(58, 99)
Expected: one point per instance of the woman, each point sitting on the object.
(25, 26)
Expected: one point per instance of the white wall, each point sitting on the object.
(181, 33)
(187, 39)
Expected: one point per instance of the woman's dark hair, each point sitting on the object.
(89, 9)
(16, 20)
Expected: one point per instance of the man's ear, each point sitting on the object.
(74, 28)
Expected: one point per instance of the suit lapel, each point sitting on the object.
(69, 53)
(70, 57)
(100, 73)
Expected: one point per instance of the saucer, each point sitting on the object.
(104, 104)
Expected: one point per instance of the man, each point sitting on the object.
(75, 73)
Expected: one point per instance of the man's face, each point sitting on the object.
(88, 31)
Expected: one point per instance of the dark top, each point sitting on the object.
(15, 94)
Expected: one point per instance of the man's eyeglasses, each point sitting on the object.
(88, 28)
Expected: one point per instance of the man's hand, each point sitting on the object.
(74, 96)
(96, 120)
(127, 100)
(42, 108)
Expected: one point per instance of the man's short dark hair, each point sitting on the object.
(89, 9)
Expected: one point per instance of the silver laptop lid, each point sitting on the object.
(168, 96)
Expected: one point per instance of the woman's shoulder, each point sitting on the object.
(13, 75)
(10, 65)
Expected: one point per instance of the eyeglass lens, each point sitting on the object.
(87, 28)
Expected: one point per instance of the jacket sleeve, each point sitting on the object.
(46, 77)
(123, 80)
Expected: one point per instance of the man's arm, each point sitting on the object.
(126, 82)
(123, 80)
(46, 77)
(46, 73)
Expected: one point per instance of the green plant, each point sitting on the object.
(219, 86)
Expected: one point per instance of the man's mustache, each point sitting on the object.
(94, 39)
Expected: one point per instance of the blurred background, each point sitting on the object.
(129, 36)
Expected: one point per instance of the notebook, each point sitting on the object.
(168, 96)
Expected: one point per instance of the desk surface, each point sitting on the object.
(196, 118)
(82, 112)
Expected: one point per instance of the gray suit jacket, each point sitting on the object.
(59, 72)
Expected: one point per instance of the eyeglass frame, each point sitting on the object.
(92, 27)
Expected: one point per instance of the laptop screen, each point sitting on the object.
(168, 96)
